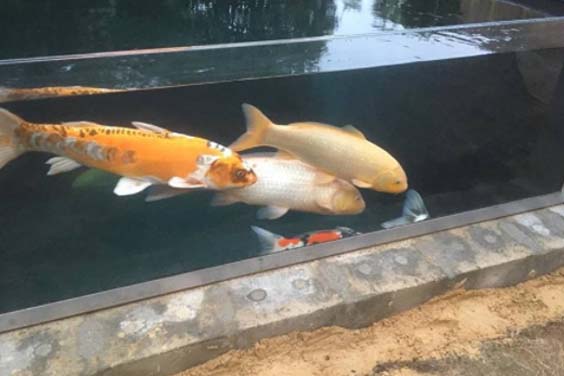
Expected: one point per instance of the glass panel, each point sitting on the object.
(469, 132)
(208, 64)
(473, 113)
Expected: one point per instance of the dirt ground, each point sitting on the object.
(511, 331)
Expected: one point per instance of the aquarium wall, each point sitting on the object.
(468, 97)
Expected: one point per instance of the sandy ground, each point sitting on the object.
(458, 325)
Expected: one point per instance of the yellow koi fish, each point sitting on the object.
(342, 152)
(144, 156)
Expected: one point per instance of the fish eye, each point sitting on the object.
(240, 173)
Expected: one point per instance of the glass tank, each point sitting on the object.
(467, 96)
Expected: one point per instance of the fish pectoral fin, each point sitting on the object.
(81, 123)
(324, 204)
(189, 183)
(61, 164)
(353, 131)
(267, 239)
(223, 199)
(322, 178)
(149, 127)
(282, 154)
(162, 192)
(271, 212)
(361, 184)
(130, 186)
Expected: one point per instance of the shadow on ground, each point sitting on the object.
(538, 350)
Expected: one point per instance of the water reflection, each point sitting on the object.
(65, 26)
(110, 25)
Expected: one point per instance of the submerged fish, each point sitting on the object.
(94, 178)
(288, 184)
(414, 210)
(144, 156)
(271, 242)
(16, 94)
(343, 152)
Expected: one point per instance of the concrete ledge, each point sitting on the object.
(167, 334)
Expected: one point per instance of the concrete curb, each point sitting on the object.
(170, 333)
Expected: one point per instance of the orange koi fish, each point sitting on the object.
(18, 94)
(144, 156)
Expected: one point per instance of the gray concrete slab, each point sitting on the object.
(170, 333)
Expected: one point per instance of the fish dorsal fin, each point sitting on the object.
(61, 164)
(149, 127)
(266, 239)
(81, 123)
(130, 186)
(323, 178)
(271, 212)
(353, 131)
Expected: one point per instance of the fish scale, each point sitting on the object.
(288, 184)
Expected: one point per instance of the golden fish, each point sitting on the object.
(343, 152)
(143, 157)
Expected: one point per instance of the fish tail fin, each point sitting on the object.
(414, 207)
(257, 128)
(8, 144)
(267, 239)
(414, 210)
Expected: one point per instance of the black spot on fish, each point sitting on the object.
(81, 134)
(111, 154)
(93, 132)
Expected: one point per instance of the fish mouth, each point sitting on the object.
(393, 181)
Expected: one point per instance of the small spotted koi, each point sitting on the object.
(271, 242)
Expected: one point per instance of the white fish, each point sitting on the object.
(287, 184)
(414, 210)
